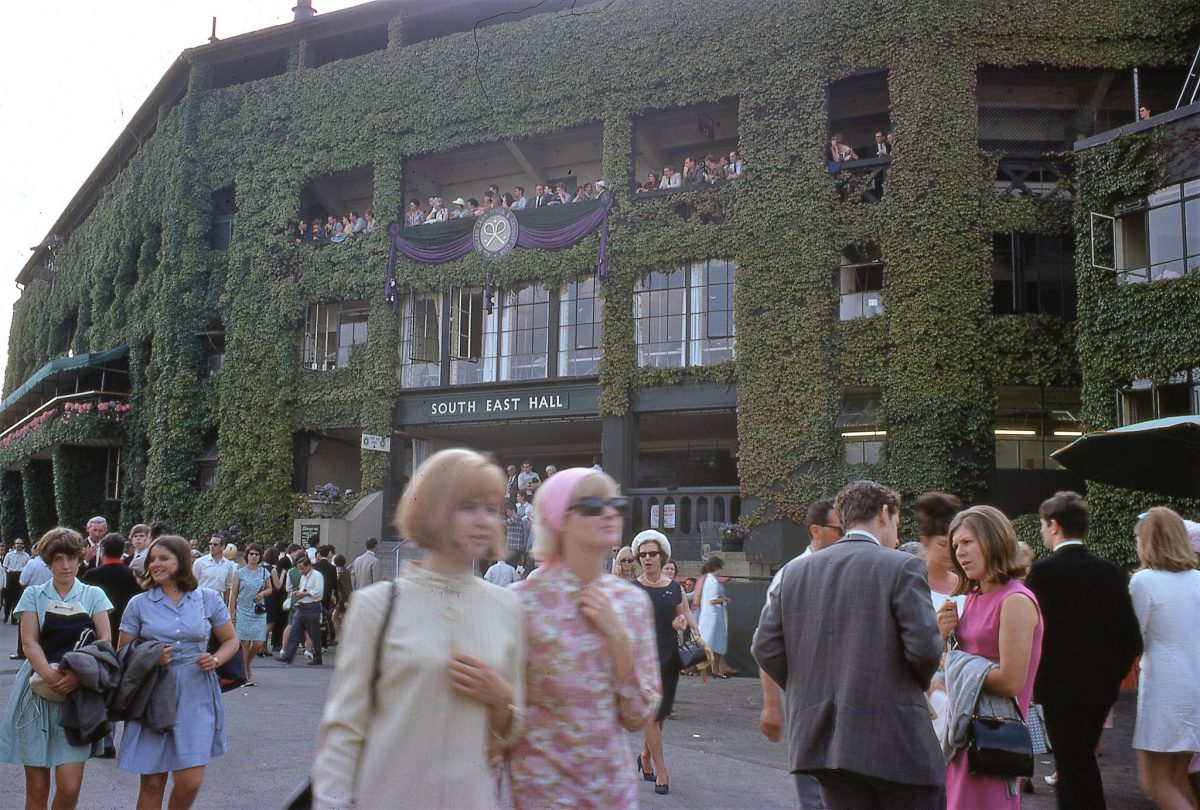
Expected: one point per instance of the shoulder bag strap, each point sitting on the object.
(387, 620)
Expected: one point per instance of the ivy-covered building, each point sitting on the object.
(728, 350)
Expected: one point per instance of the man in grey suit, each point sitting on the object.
(852, 637)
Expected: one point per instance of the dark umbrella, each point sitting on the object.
(1160, 456)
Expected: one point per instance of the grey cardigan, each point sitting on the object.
(146, 692)
(964, 697)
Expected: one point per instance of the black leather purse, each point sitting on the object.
(1000, 746)
(690, 653)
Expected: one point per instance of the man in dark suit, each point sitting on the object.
(851, 636)
(1091, 638)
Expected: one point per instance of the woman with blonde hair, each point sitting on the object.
(592, 668)
(1166, 599)
(431, 667)
(1001, 621)
(626, 567)
(55, 617)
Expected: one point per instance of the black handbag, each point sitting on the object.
(1000, 746)
(231, 674)
(302, 798)
(690, 653)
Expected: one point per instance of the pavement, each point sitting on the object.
(717, 757)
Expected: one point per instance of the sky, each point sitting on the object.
(75, 73)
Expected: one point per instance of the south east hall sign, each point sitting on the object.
(485, 406)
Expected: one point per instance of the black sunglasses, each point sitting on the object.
(649, 553)
(593, 506)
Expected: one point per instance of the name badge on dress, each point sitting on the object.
(64, 608)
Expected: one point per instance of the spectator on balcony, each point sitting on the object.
(414, 215)
(332, 227)
(651, 183)
(518, 199)
(839, 153)
(891, 139)
(540, 197)
(1144, 112)
(506, 200)
(489, 202)
(459, 209)
(357, 224)
(733, 169)
(473, 209)
(585, 194)
(692, 175)
(302, 235)
(713, 171)
(437, 211)
(319, 236)
(882, 147)
(561, 195)
(670, 179)
(494, 190)
(369, 217)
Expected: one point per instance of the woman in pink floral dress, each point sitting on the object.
(592, 665)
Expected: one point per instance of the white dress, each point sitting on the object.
(1168, 709)
(712, 620)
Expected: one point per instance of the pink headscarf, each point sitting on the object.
(554, 496)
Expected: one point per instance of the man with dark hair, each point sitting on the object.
(527, 479)
(213, 571)
(853, 642)
(324, 564)
(311, 551)
(365, 570)
(824, 529)
(1091, 638)
(120, 585)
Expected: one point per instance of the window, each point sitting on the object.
(580, 312)
(338, 193)
(212, 346)
(114, 474)
(224, 210)
(1142, 399)
(421, 341)
(684, 317)
(861, 425)
(1161, 240)
(1031, 423)
(524, 333)
(1032, 273)
(669, 137)
(331, 331)
(860, 280)
(472, 338)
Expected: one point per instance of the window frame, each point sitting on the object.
(1134, 233)
(684, 293)
(322, 334)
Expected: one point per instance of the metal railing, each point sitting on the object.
(862, 179)
(687, 516)
(1031, 177)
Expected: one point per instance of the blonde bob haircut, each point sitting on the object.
(997, 540)
(1162, 541)
(547, 542)
(444, 483)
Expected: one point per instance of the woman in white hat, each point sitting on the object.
(671, 615)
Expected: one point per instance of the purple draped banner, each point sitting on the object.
(557, 238)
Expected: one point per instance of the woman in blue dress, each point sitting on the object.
(183, 616)
(56, 617)
(251, 587)
(711, 617)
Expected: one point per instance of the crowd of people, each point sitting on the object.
(869, 644)
(435, 209)
(885, 656)
(695, 173)
(333, 230)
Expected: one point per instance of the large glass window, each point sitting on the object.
(860, 282)
(1031, 423)
(860, 424)
(1142, 399)
(524, 333)
(1032, 273)
(580, 313)
(421, 341)
(1161, 240)
(331, 331)
(684, 317)
(472, 338)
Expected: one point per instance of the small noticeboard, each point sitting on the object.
(381, 443)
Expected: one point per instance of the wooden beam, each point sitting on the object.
(530, 166)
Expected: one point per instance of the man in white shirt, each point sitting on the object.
(14, 562)
(669, 179)
(306, 602)
(501, 574)
(365, 569)
(97, 527)
(519, 202)
(213, 570)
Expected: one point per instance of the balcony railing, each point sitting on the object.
(688, 517)
(1038, 178)
(862, 179)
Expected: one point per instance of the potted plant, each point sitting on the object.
(733, 536)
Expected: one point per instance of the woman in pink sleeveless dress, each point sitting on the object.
(984, 548)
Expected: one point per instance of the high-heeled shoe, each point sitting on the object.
(662, 790)
(647, 775)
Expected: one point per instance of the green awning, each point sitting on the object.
(87, 360)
